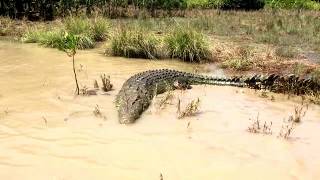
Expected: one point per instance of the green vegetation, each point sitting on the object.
(237, 64)
(243, 4)
(53, 39)
(32, 35)
(77, 25)
(47, 10)
(70, 47)
(134, 44)
(294, 4)
(5, 26)
(99, 28)
(276, 43)
(188, 45)
(87, 31)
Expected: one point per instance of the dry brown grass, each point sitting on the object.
(257, 127)
(6, 26)
(287, 128)
(288, 124)
(164, 100)
(95, 84)
(292, 121)
(85, 91)
(97, 113)
(313, 98)
(106, 83)
(237, 57)
(299, 112)
(191, 109)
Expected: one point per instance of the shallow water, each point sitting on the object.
(48, 133)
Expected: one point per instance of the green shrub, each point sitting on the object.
(162, 4)
(77, 25)
(197, 3)
(134, 44)
(85, 42)
(99, 29)
(32, 35)
(6, 26)
(56, 39)
(243, 4)
(295, 4)
(86, 31)
(53, 39)
(187, 45)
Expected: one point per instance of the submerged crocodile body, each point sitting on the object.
(138, 91)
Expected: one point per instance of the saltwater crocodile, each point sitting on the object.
(138, 91)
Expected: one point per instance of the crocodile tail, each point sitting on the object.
(290, 84)
(237, 81)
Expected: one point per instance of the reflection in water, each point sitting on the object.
(45, 131)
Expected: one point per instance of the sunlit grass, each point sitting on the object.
(136, 43)
(188, 45)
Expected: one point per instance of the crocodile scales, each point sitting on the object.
(138, 91)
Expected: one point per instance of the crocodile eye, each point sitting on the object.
(137, 98)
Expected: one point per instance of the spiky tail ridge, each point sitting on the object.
(275, 83)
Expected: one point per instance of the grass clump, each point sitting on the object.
(191, 109)
(99, 29)
(94, 29)
(299, 69)
(257, 127)
(316, 75)
(85, 42)
(240, 59)
(106, 83)
(237, 64)
(32, 35)
(134, 44)
(6, 25)
(187, 45)
(286, 52)
(53, 39)
(294, 4)
(80, 27)
(87, 32)
(77, 25)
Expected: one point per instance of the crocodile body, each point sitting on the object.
(138, 91)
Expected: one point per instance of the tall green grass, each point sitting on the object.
(87, 31)
(77, 25)
(32, 35)
(136, 43)
(99, 28)
(53, 39)
(188, 45)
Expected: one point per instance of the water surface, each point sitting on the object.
(48, 133)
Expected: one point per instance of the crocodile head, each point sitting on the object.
(129, 113)
(130, 108)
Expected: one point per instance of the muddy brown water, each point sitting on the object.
(48, 133)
